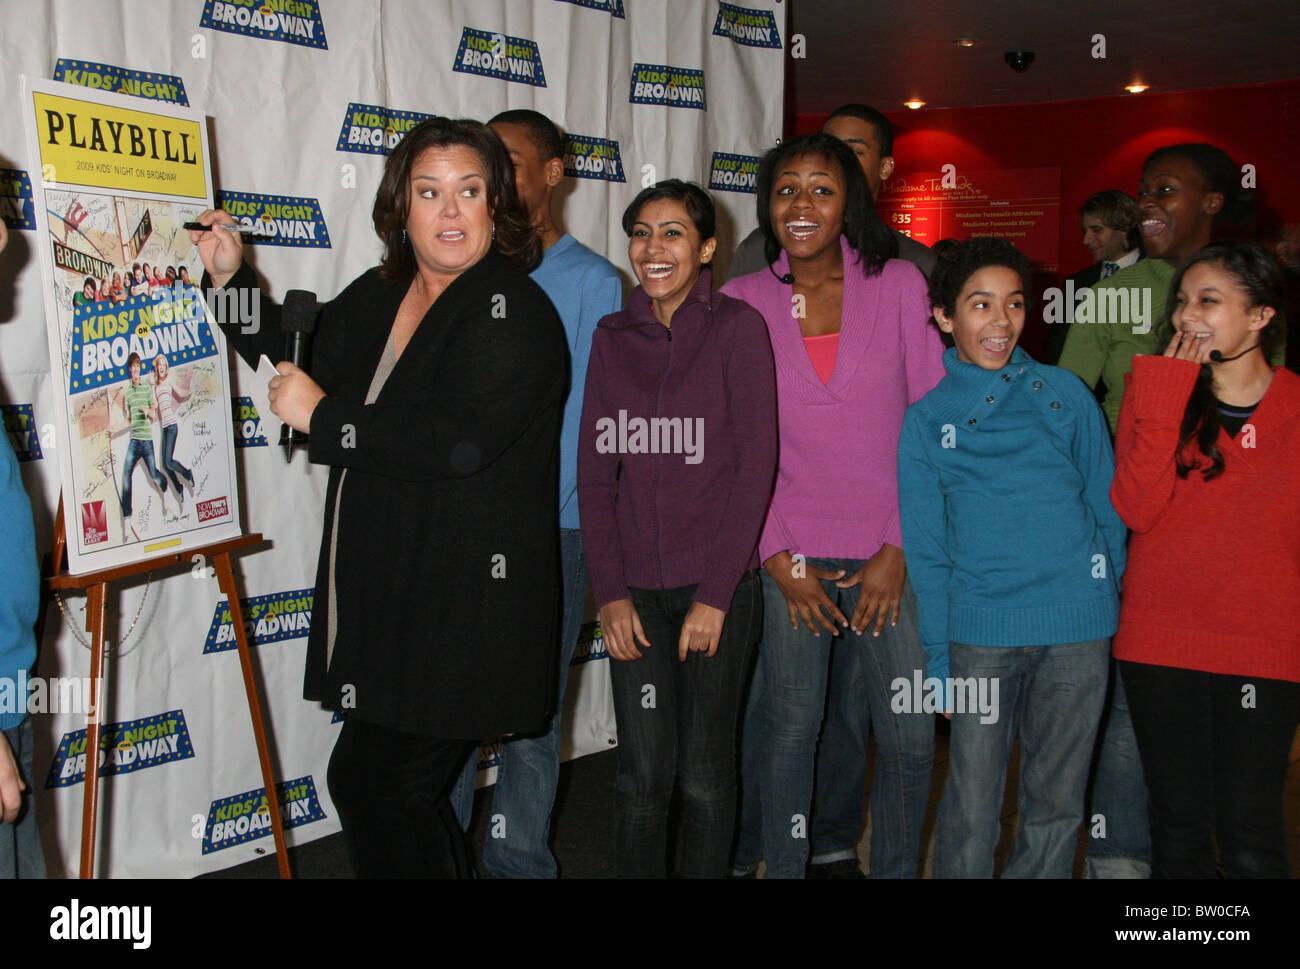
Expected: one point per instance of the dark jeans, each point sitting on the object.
(1117, 819)
(20, 842)
(139, 450)
(391, 791)
(679, 720)
(1215, 758)
(169, 462)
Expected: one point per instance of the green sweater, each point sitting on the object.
(1119, 320)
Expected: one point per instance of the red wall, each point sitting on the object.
(1101, 143)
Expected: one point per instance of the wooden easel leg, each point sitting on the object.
(90, 802)
(226, 578)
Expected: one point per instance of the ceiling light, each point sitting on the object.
(966, 41)
(1136, 88)
(914, 104)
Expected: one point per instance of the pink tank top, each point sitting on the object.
(821, 351)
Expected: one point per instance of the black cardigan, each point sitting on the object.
(448, 538)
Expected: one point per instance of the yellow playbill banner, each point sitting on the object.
(91, 143)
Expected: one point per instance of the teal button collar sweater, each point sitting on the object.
(1004, 492)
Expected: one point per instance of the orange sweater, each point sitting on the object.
(1213, 578)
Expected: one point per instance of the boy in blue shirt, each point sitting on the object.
(1015, 554)
(584, 287)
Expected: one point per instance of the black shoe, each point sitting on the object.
(844, 868)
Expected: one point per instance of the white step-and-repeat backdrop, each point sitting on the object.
(305, 99)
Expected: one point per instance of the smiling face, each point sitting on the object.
(1213, 307)
(1176, 208)
(449, 223)
(1105, 244)
(987, 318)
(861, 137)
(808, 205)
(666, 253)
(160, 368)
(133, 365)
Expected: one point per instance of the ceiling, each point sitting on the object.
(906, 50)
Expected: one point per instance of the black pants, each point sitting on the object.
(1214, 752)
(677, 721)
(392, 790)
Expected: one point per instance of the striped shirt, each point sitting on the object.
(162, 395)
(138, 398)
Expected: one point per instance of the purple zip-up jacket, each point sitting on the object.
(703, 391)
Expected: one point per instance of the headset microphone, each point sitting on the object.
(1217, 356)
(788, 278)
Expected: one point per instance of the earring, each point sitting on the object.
(403, 237)
(494, 233)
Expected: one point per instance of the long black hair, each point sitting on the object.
(1260, 278)
(867, 235)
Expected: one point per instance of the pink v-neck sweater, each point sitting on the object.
(836, 490)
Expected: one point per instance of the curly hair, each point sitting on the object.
(965, 259)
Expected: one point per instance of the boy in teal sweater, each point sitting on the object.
(20, 846)
(1015, 554)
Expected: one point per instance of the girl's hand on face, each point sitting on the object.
(801, 584)
(1186, 347)
(621, 628)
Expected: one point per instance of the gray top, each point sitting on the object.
(386, 364)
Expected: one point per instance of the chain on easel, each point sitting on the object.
(76, 631)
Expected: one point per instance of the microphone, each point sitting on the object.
(298, 321)
(1217, 356)
(788, 278)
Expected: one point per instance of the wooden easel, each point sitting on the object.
(96, 586)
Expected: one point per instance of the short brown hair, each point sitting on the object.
(1116, 211)
(515, 237)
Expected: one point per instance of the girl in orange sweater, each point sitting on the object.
(1207, 476)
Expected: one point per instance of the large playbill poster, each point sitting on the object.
(146, 450)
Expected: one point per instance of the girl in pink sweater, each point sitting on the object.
(853, 348)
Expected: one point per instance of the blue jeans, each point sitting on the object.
(169, 462)
(20, 842)
(1050, 697)
(779, 743)
(139, 450)
(1119, 824)
(529, 768)
(677, 722)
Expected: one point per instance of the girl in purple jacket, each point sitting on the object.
(676, 459)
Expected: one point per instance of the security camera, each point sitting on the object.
(1019, 60)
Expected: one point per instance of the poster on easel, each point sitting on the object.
(145, 445)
